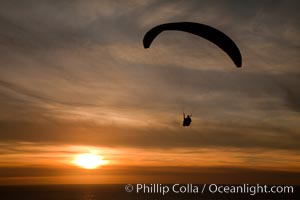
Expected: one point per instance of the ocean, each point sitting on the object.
(116, 192)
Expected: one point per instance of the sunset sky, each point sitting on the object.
(75, 78)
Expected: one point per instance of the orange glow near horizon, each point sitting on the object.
(64, 164)
(89, 161)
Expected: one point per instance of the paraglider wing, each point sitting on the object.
(213, 35)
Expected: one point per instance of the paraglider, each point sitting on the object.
(187, 120)
(211, 34)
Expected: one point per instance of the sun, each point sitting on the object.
(89, 161)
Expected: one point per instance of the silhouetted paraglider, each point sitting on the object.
(187, 120)
(211, 34)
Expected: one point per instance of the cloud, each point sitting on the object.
(53, 161)
(137, 174)
(75, 72)
(149, 134)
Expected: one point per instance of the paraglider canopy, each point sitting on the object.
(213, 35)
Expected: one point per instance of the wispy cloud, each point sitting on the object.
(76, 73)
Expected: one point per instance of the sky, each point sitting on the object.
(75, 78)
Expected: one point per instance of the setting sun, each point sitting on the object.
(89, 161)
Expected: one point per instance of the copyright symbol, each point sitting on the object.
(128, 188)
